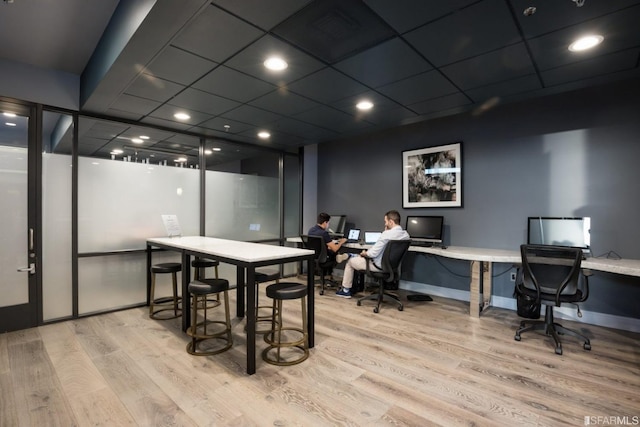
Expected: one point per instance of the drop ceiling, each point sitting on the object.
(414, 59)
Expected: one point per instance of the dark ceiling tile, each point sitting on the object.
(327, 85)
(264, 14)
(334, 29)
(134, 104)
(593, 67)
(233, 84)
(179, 66)
(251, 115)
(462, 35)
(330, 118)
(618, 29)
(390, 117)
(419, 88)
(556, 15)
(503, 64)
(218, 124)
(504, 89)
(284, 102)
(251, 61)
(439, 104)
(216, 35)
(405, 15)
(205, 102)
(307, 131)
(114, 112)
(150, 87)
(385, 63)
(166, 123)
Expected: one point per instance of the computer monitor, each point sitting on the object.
(337, 224)
(425, 229)
(560, 231)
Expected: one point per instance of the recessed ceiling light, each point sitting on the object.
(585, 43)
(275, 63)
(264, 135)
(364, 105)
(137, 140)
(10, 124)
(144, 137)
(7, 114)
(182, 116)
(117, 151)
(207, 152)
(217, 149)
(181, 160)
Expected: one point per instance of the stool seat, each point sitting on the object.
(167, 267)
(286, 291)
(164, 308)
(208, 286)
(289, 343)
(204, 263)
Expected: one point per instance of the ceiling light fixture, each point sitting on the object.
(217, 149)
(584, 43)
(264, 135)
(364, 105)
(137, 140)
(208, 152)
(276, 63)
(7, 114)
(116, 151)
(10, 124)
(144, 137)
(182, 116)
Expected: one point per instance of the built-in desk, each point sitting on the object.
(246, 257)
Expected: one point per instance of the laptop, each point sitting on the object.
(371, 237)
(353, 236)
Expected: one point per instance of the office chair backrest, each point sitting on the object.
(551, 270)
(392, 257)
(316, 244)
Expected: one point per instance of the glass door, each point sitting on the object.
(18, 217)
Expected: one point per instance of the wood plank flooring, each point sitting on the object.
(429, 365)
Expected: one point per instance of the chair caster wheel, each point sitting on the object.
(559, 351)
(400, 308)
(517, 338)
(375, 309)
(587, 346)
(321, 292)
(358, 303)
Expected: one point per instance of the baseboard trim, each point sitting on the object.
(568, 313)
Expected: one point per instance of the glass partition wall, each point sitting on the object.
(128, 176)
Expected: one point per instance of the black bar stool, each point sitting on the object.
(262, 275)
(280, 292)
(198, 332)
(199, 266)
(170, 303)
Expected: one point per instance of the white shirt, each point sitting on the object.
(376, 251)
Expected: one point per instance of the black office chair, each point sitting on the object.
(552, 274)
(323, 265)
(392, 257)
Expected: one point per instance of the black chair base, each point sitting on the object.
(381, 296)
(552, 329)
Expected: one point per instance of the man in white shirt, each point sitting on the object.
(392, 231)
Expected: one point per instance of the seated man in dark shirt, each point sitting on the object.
(320, 229)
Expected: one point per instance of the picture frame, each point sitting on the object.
(432, 177)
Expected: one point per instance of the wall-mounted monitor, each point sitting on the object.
(560, 231)
(425, 229)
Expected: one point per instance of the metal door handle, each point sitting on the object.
(31, 269)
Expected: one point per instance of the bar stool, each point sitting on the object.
(198, 332)
(170, 303)
(280, 292)
(262, 275)
(199, 265)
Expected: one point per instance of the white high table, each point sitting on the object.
(246, 257)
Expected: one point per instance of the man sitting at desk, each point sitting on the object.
(392, 231)
(320, 229)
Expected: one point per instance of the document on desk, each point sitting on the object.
(171, 225)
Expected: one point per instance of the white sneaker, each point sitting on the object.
(342, 257)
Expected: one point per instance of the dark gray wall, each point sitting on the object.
(573, 154)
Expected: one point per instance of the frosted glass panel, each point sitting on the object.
(14, 286)
(242, 207)
(56, 229)
(120, 203)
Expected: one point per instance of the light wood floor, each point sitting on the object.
(430, 364)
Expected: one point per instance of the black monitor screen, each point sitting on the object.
(337, 224)
(425, 228)
(559, 231)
